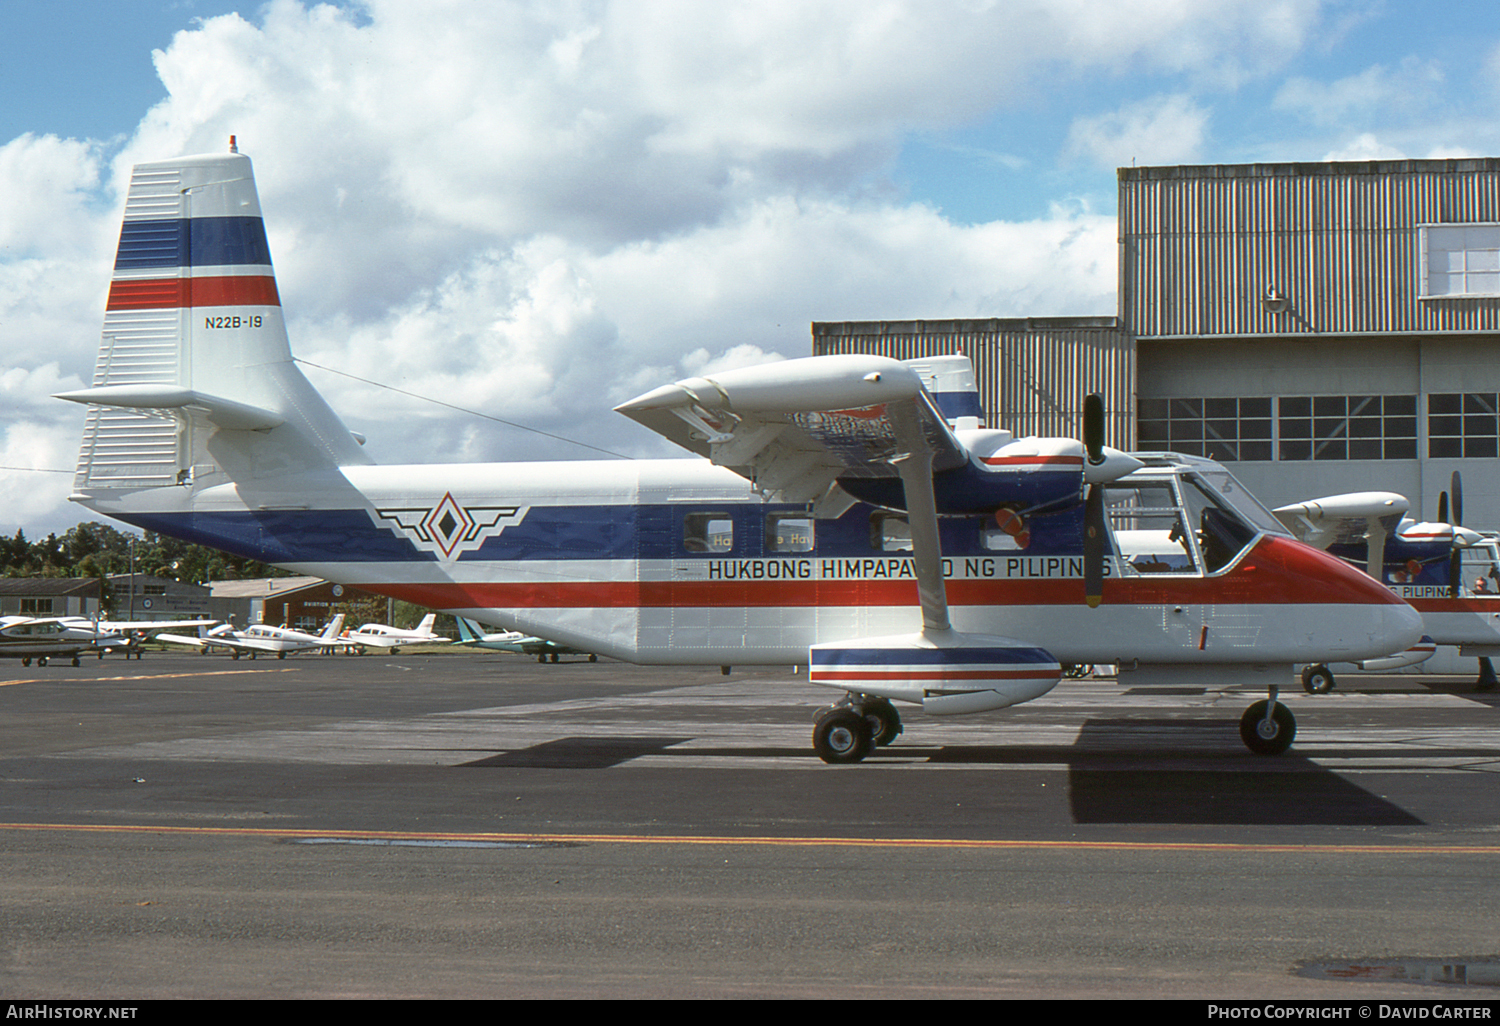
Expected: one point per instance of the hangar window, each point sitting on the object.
(1222, 428)
(36, 605)
(1291, 428)
(1347, 427)
(1463, 425)
(1460, 260)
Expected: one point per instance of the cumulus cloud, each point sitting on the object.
(1377, 94)
(1160, 130)
(538, 209)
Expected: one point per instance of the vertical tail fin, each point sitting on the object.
(425, 627)
(950, 381)
(195, 383)
(331, 632)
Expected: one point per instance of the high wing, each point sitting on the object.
(1369, 517)
(795, 428)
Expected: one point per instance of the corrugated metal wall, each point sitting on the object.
(1033, 373)
(1341, 241)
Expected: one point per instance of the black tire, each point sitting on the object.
(1268, 739)
(884, 721)
(841, 736)
(593, 658)
(280, 655)
(1317, 679)
(76, 662)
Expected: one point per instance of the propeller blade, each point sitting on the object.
(1442, 507)
(1093, 547)
(1455, 561)
(1093, 427)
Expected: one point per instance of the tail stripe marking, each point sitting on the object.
(154, 293)
(192, 242)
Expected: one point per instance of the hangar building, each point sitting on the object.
(1320, 328)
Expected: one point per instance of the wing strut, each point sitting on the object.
(914, 464)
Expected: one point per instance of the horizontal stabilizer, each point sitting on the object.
(224, 413)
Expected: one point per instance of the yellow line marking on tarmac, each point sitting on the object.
(1205, 848)
(151, 676)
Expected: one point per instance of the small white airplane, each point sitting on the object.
(261, 638)
(1447, 572)
(134, 631)
(42, 638)
(379, 635)
(475, 636)
(849, 513)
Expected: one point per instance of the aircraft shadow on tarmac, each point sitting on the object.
(1112, 777)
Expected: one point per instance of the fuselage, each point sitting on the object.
(678, 561)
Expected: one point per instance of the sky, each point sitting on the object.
(538, 210)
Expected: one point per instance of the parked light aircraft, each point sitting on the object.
(851, 515)
(474, 635)
(41, 638)
(1447, 572)
(261, 637)
(133, 631)
(379, 635)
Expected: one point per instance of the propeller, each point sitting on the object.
(1455, 558)
(1093, 508)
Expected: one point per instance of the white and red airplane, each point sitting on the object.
(261, 638)
(379, 635)
(1447, 572)
(850, 515)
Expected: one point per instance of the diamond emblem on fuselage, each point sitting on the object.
(448, 529)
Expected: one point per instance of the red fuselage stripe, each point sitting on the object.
(1277, 571)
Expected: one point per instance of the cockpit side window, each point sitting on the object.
(1222, 533)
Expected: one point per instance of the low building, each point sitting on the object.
(147, 597)
(49, 596)
(302, 603)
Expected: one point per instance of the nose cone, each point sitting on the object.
(1344, 614)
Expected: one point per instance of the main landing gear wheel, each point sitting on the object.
(1265, 735)
(842, 736)
(884, 721)
(1317, 679)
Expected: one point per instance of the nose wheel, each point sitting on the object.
(1268, 727)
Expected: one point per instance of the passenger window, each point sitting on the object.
(789, 532)
(707, 532)
(889, 532)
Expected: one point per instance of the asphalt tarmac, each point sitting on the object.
(479, 825)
